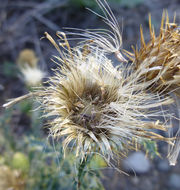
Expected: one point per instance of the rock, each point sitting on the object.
(135, 180)
(163, 165)
(174, 181)
(137, 162)
(1, 87)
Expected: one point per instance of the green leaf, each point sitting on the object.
(151, 148)
(25, 106)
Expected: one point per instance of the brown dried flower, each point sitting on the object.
(160, 56)
(27, 57)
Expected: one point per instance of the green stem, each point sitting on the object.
(35, 119)
(81, 172)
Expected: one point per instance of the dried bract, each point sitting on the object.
(160, 56)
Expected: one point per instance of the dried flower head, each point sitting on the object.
(27, 57)
(160, 56)
(27, 62)
(95, 106)
(11, 179)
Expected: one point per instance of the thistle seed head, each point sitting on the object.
(31, 73)
(95, 106)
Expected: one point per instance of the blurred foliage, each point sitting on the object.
(9, 69)
(25, 106)
(97, 162)
(20, 162)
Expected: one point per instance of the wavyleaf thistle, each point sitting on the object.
(160, 56)
(95, 106)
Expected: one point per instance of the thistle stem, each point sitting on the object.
(81, 170)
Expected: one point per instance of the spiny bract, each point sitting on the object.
(160, 56)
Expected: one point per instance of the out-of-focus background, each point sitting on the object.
(22, 24)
